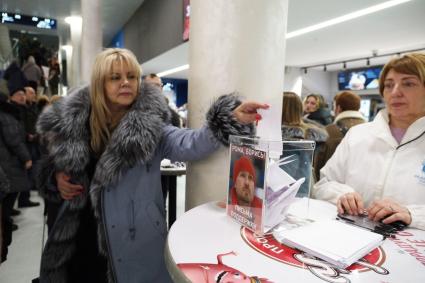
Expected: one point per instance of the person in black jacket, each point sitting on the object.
(30, 119)
(315, 109)
(15, 158)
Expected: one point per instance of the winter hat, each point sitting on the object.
(15, 87)
(243, 164)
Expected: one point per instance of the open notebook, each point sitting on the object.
(333, 241)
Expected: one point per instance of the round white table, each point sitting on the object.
(205, 245)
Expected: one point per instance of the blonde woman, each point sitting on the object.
(315, 109)
(107, 144)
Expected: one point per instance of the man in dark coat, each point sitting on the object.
(30, 119)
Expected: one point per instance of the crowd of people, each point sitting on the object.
(98, 153)
(19, 142)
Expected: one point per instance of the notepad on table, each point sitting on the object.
(333, 241)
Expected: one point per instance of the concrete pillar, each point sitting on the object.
(91, 39)
(5, 47)
(236, 45)
(75, 24)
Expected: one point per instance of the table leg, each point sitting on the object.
(172, 199)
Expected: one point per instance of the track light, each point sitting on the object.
(362, 59)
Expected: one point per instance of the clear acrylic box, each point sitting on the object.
(265, 178)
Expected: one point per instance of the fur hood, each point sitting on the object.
(304, 132)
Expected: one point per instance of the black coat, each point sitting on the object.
(13, 150)
(4, 185)
(322, 116)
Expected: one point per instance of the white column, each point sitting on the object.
(91, 39)
(5, 46)
(75, 24)
(236, 45)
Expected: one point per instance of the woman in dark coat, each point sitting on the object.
(315, 109)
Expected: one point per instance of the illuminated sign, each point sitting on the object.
(11, 18)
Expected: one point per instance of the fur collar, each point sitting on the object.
(134, 139)
(349, 114)
(307, 132)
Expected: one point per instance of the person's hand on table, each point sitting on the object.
(388, 211)
(350, 203)
(67, 189)
(247, 112)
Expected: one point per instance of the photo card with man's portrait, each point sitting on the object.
(246, 185)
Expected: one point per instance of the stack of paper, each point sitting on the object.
(333, 241)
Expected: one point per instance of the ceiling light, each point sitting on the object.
(347, 17)
(73, 20)
(367, 62)
(325, 68)
(174, 70)
(67, 48)
(344, 65)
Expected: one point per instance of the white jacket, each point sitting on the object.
(370, 161)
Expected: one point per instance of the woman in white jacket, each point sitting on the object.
(379, 167)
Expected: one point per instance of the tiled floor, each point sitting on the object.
(23, 261)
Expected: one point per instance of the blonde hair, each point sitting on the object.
(100, 115)
(316, 97)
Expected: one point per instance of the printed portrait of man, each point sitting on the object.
(244, 179)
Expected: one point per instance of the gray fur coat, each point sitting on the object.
(126, 180)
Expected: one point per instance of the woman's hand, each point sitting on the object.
(351, 203)
(247, 112)
(388, 210)
(66, 189)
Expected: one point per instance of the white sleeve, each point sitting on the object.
(418, 216)
(332, 176)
